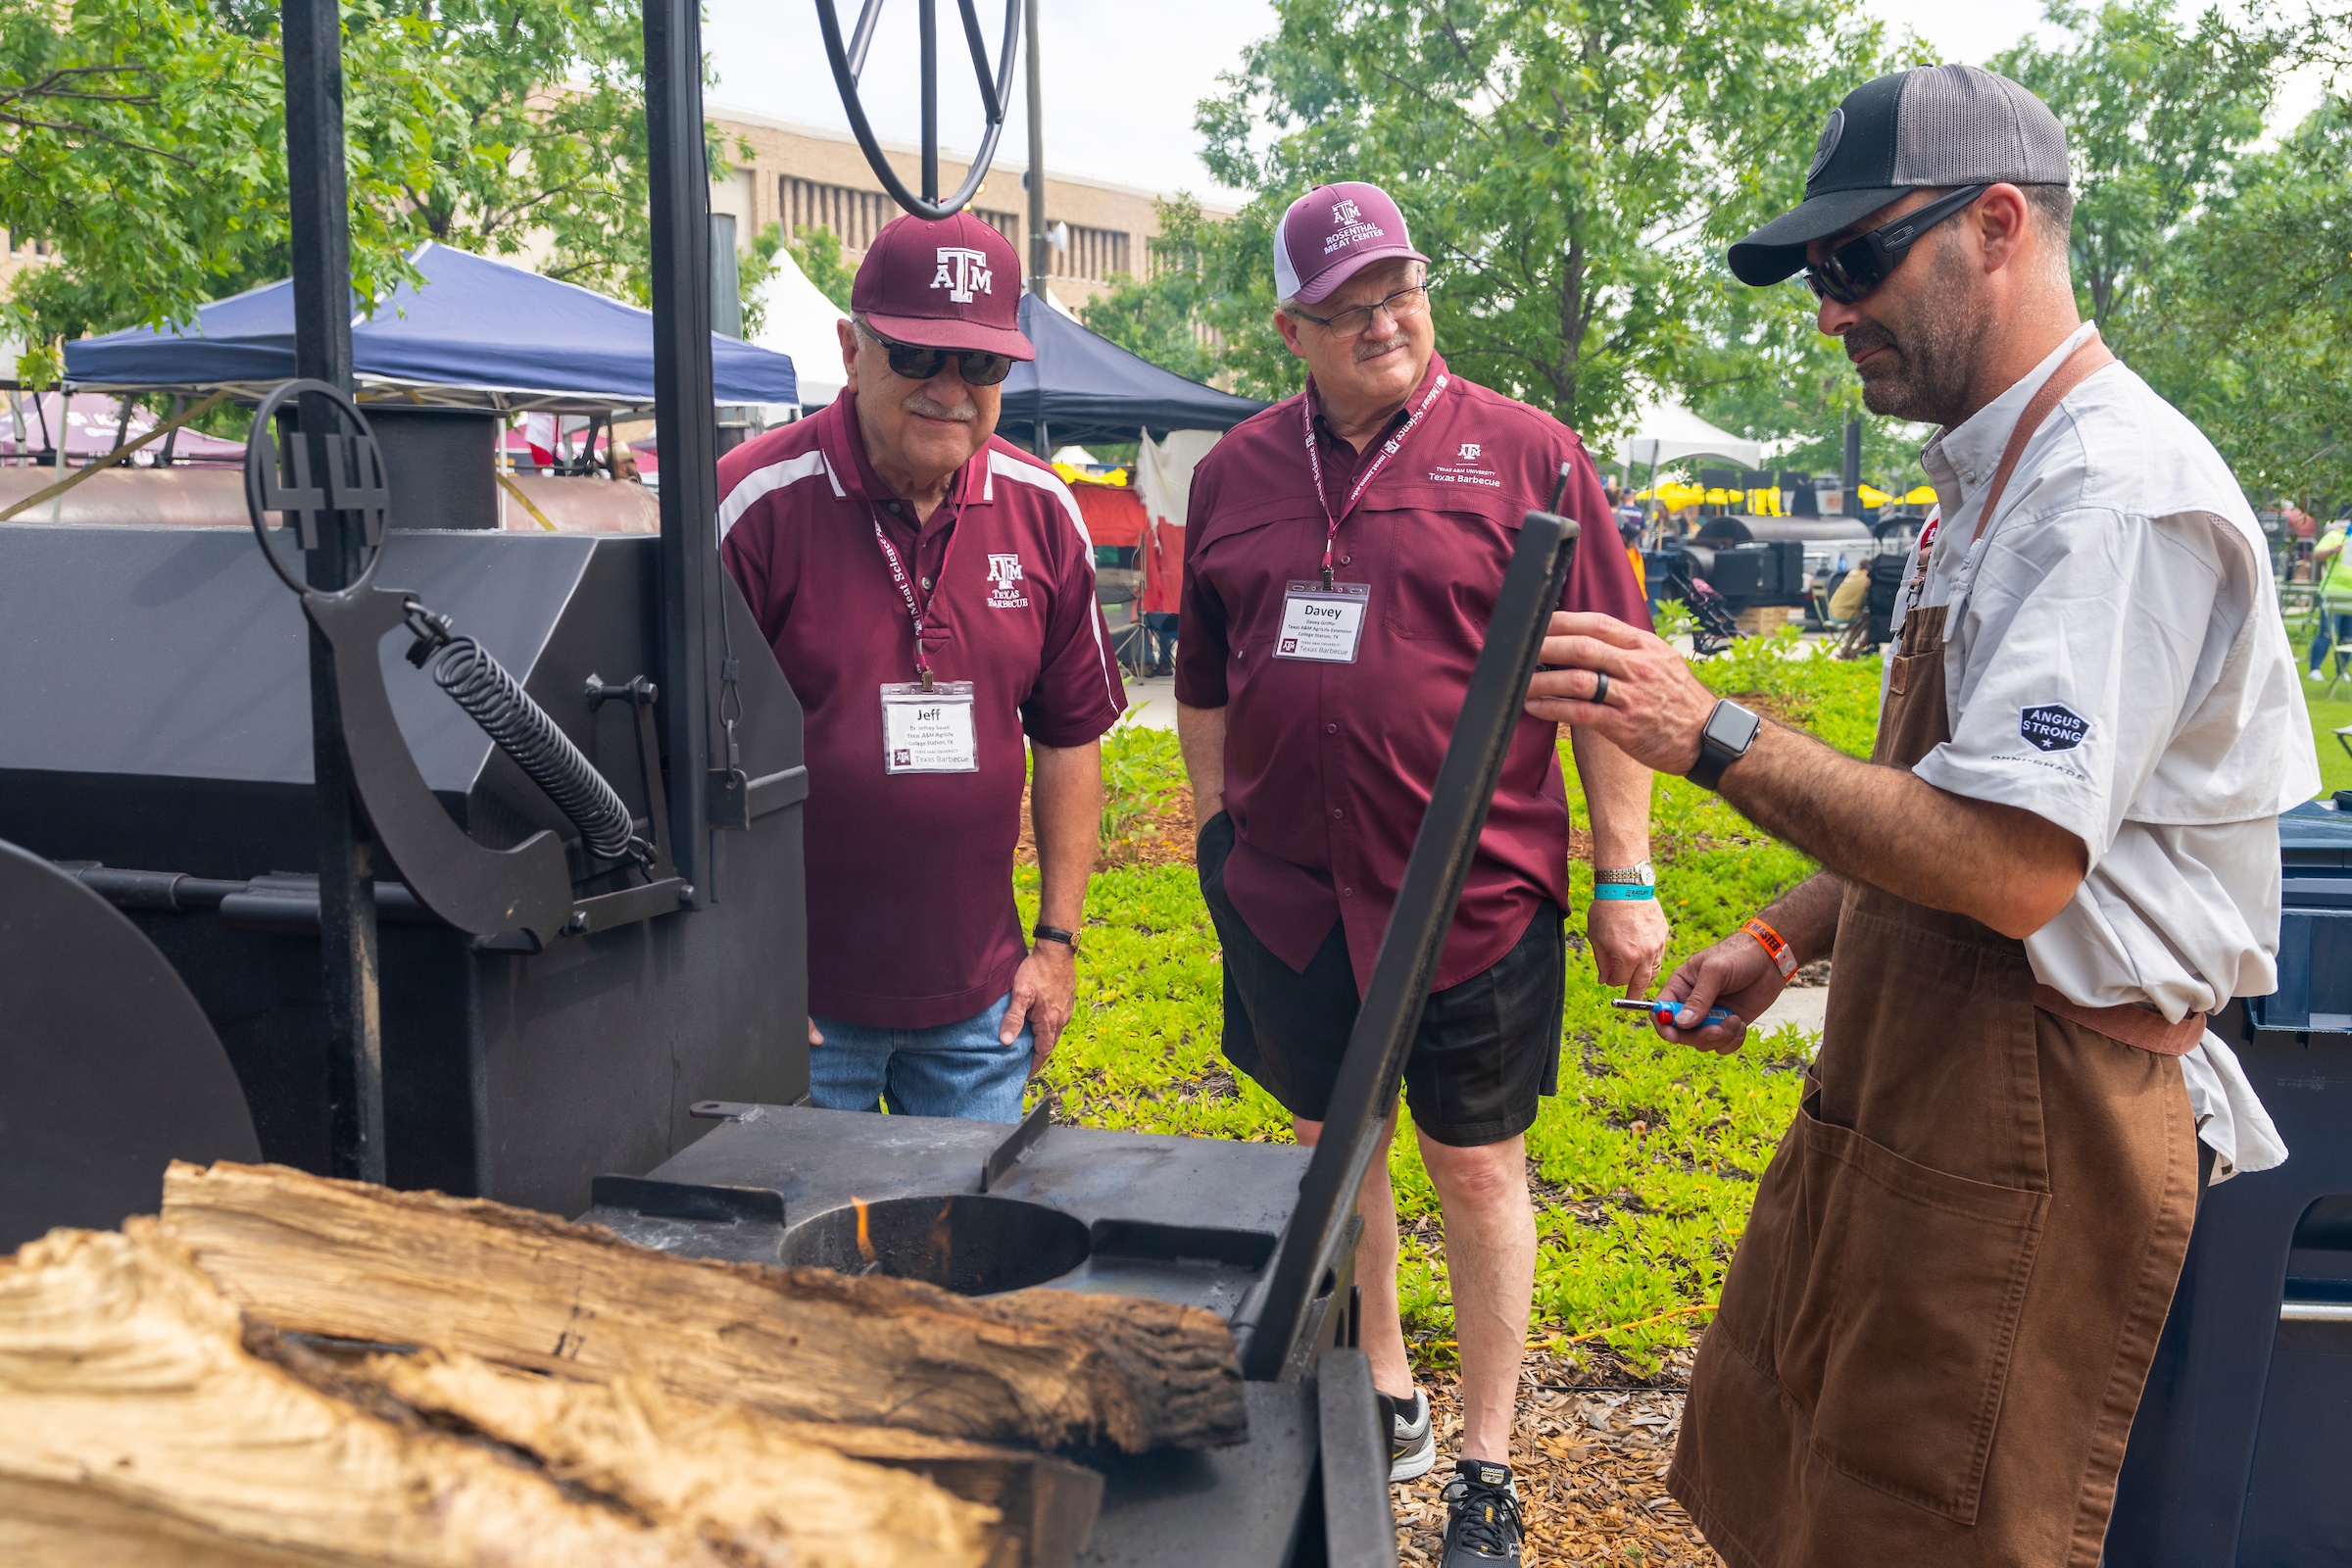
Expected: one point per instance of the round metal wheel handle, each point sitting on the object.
(847, 60)
(353, 481)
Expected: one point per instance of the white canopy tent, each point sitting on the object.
(800, 322)
(1668, 432)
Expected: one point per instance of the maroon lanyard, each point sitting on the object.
(916, 610)
(1388, 450)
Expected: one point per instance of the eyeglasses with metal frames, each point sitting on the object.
(1849, 272)
(1402, 306)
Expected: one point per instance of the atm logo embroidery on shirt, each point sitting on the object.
(961, 271)
(1467, 469)
(1003, 573)
(2051, 728)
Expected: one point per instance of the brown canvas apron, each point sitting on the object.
(1933, 1334)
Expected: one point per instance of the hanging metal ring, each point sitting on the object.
(353, 481)
(847, 60)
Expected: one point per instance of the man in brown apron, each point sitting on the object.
(2061, 856)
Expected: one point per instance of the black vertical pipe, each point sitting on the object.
(318, 207)
(927, 23)
(685, 423)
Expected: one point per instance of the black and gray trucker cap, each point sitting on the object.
(1935, 126)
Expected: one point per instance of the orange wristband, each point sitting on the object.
(1783, 956)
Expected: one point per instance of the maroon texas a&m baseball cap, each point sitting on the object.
(952, 284)
(1333, 232)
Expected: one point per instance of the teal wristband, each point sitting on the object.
(1623, 890)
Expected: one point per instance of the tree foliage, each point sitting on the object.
(145, 140)
(2156, 116)
(2246, 323)
(1573, 168)
(1161, 316)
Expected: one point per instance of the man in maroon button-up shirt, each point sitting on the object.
(890, 544)
(1326, 645)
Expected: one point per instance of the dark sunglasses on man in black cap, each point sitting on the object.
(1849, 272)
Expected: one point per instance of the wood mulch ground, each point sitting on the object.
(1591, 1464)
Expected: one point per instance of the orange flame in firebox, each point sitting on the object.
(865, 1240)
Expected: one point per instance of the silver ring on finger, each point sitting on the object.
(1600, 688)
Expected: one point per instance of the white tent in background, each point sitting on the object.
(1668, 432)
(800, 322)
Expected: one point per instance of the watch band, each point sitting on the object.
(1054, 933)
(1641, 873)
(1716, 754)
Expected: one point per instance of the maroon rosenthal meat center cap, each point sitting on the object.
(952, 284)
(1333, 232)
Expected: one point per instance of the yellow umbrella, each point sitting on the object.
(1874, 497)
(1924, 496)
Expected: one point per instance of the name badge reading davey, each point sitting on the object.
(1322, 625)
(929, 731)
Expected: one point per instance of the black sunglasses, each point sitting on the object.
(977, 366)
(1850, 271)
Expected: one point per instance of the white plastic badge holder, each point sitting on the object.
(1322, 625)
(929, 731)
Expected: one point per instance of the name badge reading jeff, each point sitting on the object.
(929, 731)
(1322, 625)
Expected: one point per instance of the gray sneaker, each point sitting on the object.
(1412, 1444)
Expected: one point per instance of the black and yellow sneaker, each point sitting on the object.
(1481, 1516)
(1412, 1443)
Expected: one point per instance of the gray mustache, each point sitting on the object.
(1366, 351)
(931, 408)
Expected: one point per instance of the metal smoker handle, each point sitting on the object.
(1409, 952)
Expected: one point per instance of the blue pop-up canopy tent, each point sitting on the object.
(1083, 387)
(478, 333)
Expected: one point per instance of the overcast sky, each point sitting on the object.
(1122, 77)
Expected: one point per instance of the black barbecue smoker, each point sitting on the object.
(472, 860)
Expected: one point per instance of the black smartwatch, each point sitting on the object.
(1054, 933)
(1730, 731)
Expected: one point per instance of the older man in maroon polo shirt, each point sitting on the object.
(929, 591)
(1344, 552)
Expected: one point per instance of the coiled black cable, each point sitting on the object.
(480, 685)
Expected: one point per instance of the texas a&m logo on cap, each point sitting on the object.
(1003, 573)
(961, 271)
(1350, 227)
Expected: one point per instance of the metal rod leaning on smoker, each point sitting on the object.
(1393, 1003)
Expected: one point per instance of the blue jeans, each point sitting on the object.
(1159, 636)
(957, 1069)
(2333, 629)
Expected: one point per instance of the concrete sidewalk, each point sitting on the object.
(1152, 702)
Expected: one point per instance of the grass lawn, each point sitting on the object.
(1644, 1166)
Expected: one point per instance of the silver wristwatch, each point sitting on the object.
(1641, 875)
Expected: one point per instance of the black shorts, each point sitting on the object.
(1485, 1053)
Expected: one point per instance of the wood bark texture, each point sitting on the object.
(1048, 1369)
(138, 1427)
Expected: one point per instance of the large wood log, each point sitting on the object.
(137, 1427)
(1049, 1369)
